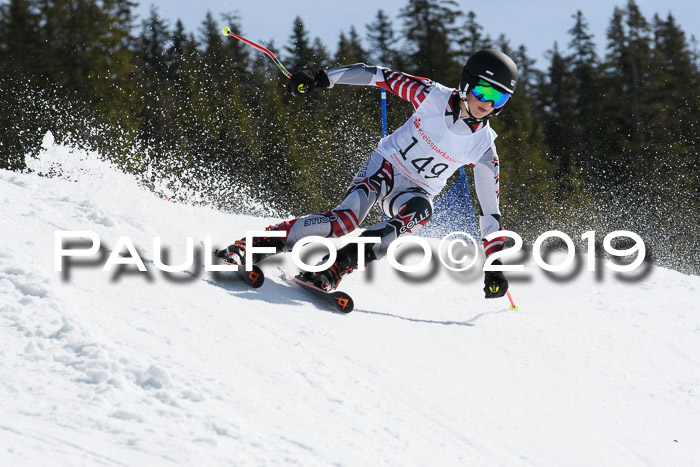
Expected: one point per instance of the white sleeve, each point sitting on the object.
(358, 74)
(486, 182)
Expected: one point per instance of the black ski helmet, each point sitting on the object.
(490, 65)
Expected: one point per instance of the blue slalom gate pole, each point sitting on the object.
(383, 113)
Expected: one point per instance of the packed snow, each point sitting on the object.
(194, 368)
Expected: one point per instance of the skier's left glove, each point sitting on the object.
(305, 82)
(495, 283)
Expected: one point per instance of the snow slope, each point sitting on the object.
(134, 368)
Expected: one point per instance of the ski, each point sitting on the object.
(339, 301)
(254, 278)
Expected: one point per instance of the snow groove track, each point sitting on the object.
(135, 368)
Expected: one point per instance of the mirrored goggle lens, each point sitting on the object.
(485, 92)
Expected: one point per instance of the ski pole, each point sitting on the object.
(513, 306)
(227, 32)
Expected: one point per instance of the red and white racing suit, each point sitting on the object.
(411, 165)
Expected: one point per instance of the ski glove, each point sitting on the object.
(305, 82)
(495, 283)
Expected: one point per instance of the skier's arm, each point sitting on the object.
(411, 88)
(486, 181)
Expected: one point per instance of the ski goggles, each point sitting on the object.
(484, 91)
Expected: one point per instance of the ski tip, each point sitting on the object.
(256, 278)
(344, 303)
(339, 301)
(226, 30)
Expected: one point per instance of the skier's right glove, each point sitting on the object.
(495, 283)
(304, 82)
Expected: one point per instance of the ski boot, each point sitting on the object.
(327, 280)
(345, 263)
(236, 253)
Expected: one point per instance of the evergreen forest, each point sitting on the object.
(592, 142)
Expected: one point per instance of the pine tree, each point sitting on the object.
(695, 51)
(382, 42)
(19, 46)
(176, 54)
(19, 49)
(175, 106)
(675, 78)
(675, 132)
(301, 52)
(215, 54)
(154, 37)
(639, 63)
(83, 72)
(216, 89)
(322, 58)
(559, 102)
(350, 49)
(584, 125)
(472, 39)
(526, 192)
(153, 71)
(615, 98)
(527, 75)
(88, 39)
(628, 66)
(238, 51)
(429, 28)
(120, 11)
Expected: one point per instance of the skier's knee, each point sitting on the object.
(417, 209)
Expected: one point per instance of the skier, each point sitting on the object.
(448, 129)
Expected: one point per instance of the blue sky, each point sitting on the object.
(537, 24)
